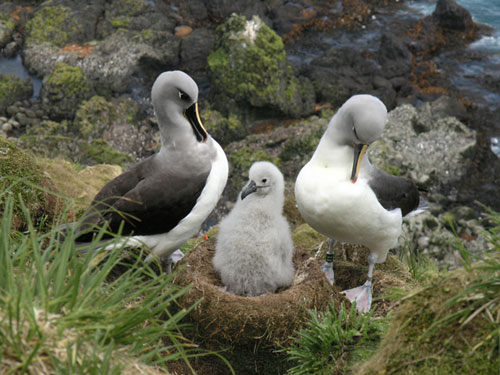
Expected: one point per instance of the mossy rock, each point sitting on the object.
(223, 129)
(22, 179)
(13, 89)
(7, 28)
(241, 160)
(63, 90)
(417, 343)
(97, 114)
(102, 153)
(249, 66)
(53, 24)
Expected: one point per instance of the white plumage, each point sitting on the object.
(342, 195)
(254, 247)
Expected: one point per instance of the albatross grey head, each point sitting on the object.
(264, 179)
(175, 96)
(362, 120)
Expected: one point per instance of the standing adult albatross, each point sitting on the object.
(163, 200)
(343, 196)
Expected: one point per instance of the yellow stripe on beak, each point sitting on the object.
(359, 152)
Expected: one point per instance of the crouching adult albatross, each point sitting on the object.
(341, 195)
(163, 200)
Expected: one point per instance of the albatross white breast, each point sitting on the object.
(343, 196)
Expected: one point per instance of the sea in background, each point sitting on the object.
(469, 76)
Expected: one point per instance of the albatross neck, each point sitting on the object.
(175, 130)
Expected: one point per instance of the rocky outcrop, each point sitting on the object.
(63, 90)
(13, 89)
(449, 15)
(249, 68)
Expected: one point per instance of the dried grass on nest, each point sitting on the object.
(228, 319)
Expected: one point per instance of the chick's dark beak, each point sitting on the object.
(193, 116)
(250, 188)
(359, 152)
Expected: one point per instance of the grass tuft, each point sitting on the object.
(66, 312)
(334, 341)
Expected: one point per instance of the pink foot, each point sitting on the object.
(362, 295)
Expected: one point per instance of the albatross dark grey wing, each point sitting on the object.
(394, 192)
(145, 200)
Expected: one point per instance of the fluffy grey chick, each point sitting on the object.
(254, 247)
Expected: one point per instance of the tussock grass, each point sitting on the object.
(333, 341)
(65, 312)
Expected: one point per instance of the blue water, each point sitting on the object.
(15, 66)
(485, 12)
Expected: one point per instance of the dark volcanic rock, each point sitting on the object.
(195, 49)
(448, 14)
(394, 56)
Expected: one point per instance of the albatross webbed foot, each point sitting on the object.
(362, 295)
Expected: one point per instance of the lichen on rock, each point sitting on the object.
(63, 90)
(53, 24)
(13, 89)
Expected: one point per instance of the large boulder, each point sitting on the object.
(249, 67)
(449, 15)
(7, 28)
(63, 90)
(409, 134)
(13, 89)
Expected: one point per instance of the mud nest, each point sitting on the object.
(223, 318)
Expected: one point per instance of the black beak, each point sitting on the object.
(250, 188)
(193, 116)
(359, 152)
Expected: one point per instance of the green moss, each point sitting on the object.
(243, 159)
(69, 80)
(12, 89)
(302, 147)
(54, 24)
(120, 22)
(223, 129)
(102, 153)
(129, 7)
(7, 22)
(146, 34)
(244, 66)
(97, 114)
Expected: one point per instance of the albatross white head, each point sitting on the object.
(175, 101)
(358, 123)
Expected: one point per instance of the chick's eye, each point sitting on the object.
(183, 96)
(264, 180)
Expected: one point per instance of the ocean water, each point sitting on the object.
(15, 66)
(485, 12)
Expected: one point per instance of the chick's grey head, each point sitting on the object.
(175, 99)
(363, 118)
(264, 179)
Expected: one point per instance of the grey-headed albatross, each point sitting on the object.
(343, 196)
(163, 200)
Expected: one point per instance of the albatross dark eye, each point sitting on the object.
(184, 97)
(264, 180)
(355, 133)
